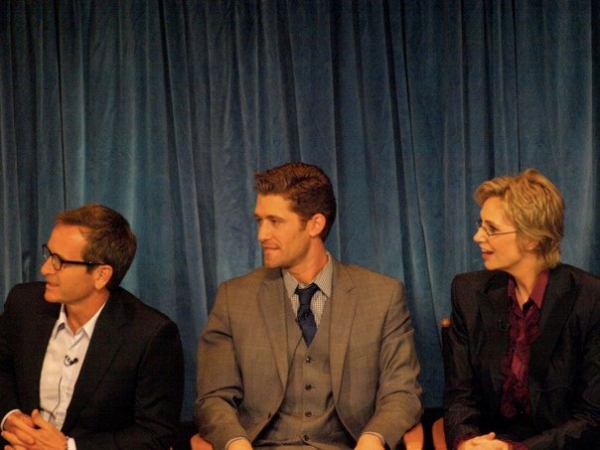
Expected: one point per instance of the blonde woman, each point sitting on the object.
(524, 368)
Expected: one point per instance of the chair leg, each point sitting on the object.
(414, 439)
(439, 437)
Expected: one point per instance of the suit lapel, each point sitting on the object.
(107, 338)
(558, 302)
(494, 305)
(343, 309)
(271, 296)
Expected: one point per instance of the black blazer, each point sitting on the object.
(564, 374)
(130, 388)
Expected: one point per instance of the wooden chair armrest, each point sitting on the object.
(197, 443)
(414, 439)
(438, 435)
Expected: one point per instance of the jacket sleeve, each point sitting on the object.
(465, 407)
(397, 400)
(219, 384)
(8, 387)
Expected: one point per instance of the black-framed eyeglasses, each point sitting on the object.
(479, 224)
(57, 261)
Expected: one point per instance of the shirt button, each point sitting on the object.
(307, 414)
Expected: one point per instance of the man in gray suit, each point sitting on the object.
(277, 369)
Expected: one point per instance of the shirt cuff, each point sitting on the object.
(71, 444)
(231, 440)
(381, 438)
(6, 417)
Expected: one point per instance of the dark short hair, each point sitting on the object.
(109, 237)
(306, 186)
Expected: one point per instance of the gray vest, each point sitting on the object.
(307, 417)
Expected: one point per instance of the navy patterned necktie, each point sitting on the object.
(306, 319)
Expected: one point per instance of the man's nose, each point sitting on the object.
(47, 267)
(264, 231)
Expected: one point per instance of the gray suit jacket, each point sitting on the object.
(243, 361)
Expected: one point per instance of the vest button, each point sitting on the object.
(308, 359)
(307, 414)
(308, 387)
(305, 437)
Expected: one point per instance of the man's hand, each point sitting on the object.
(13, 425)
(9, 424)
(484, 442)
(369, 442)
(34, 433)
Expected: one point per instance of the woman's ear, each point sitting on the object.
(530, 245)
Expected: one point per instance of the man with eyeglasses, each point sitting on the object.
(83, 363)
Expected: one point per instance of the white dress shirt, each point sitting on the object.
(64, 357)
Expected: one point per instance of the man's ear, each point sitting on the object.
(316, 224)
(102, 276)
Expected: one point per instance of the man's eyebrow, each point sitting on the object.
(270, 217)
(52, 251)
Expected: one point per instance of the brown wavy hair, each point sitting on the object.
(307, 186)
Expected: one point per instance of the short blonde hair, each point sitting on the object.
(534, 205)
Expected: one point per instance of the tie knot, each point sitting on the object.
(306, 294)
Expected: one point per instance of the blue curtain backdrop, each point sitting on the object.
(163, 110)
